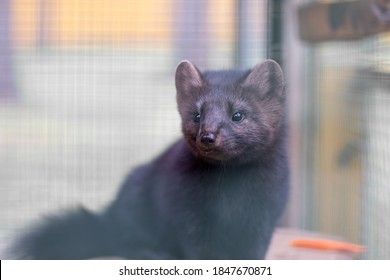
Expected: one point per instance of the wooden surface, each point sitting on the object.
(345, 20)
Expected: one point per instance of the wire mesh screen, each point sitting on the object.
(87, 91)
(347, 171)
(376, 188)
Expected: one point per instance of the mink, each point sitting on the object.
(217, 193)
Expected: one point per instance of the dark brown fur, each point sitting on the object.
(215, 194)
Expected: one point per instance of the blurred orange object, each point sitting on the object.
(323, 244)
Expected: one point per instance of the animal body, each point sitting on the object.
(217, 193)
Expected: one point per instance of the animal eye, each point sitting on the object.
(237, 117)
(197, 117)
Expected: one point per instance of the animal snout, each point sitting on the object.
(208, 138)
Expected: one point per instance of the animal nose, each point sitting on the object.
(208, 138)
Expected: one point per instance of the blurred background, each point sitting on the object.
(87, 92)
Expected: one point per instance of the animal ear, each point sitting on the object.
(267, 79)
(188, 78)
